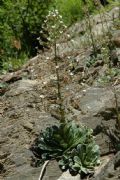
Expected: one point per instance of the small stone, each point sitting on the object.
(66, 175)
(79, 69)
(111, 174)
(116, 41)
(28, 126)
(119, 176)
(2, 169)
(99, 63)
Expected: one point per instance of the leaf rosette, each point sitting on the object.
(73, 146)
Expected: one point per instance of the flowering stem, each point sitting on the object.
(91, 34)
(86, 11)
(57, 73)
(117, 109)
(61, 108)
(55, 27)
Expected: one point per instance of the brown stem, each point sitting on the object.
(90, 29)
(117, 109)
(61, 108)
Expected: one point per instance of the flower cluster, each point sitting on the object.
(54, 26)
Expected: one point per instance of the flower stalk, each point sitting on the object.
(55, 26)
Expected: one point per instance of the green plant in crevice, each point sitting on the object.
(109, 76)
(72, 145)
(14, 63)
(3, 88)
(106, 54)
(91, 60)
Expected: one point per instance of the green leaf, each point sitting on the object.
(72, 145)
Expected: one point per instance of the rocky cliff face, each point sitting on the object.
(28, 102)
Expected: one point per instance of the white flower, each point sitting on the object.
(48, 38)
(72, 40)
(47, 58)
(32, 70)
(45, 21)
(61, 32)
(48, 15)
(42, 96)
(83, 73)
(71, 74)
(65, 26)
(44, 82)
(103, 48)
(84, 90)
(57, 45)
(54, 15)
(53, 78)
(53, 27)
(56, 11)
(82, 84)
(61, 22)
(88, 107)
(60, 16)
(67, 88)
(38, 39)
(57, 67)
(68, 35)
